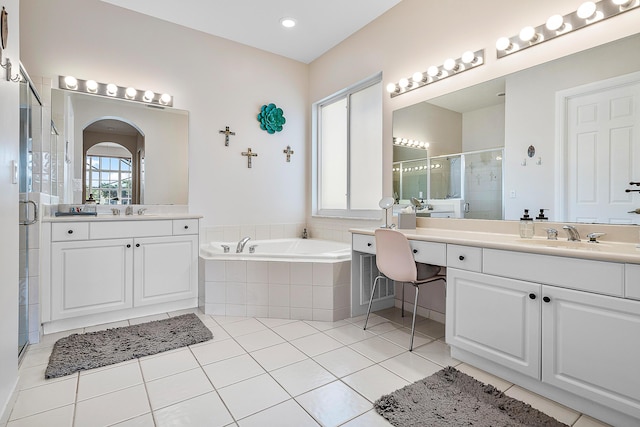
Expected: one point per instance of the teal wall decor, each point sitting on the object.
(271, 118)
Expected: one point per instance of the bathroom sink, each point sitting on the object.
(583, 244)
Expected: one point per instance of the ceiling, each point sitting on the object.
(321, 25)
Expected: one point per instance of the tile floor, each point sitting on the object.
(255, 372)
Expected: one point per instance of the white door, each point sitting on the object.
(603, 152)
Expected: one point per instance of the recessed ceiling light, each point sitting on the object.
(288, 22)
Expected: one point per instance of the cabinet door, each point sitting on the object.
(495, 318)
(165, 269)
(591, 347)
(90, 277)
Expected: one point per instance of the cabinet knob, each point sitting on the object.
(128, 245)
(137, 245)
(461, 257)
(369, 244)
(415, 251)
(546, 299)
(70, 231)
(532, 296)
(186, 227)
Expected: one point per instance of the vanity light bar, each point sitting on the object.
(411, 143)
(588, 13)
(111, 90)
(451, 66)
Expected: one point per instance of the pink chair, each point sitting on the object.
(394, 258)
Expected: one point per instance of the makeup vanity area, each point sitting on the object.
(558, 318)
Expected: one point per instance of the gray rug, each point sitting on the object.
(78, 352)
(452, 398)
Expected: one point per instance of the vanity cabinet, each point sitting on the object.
(104, 271)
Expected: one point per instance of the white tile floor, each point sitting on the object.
(255, 372)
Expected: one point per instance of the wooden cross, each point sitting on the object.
(226, 133)
(288, 152)
(249, 155)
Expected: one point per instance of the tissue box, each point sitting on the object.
(407, 220)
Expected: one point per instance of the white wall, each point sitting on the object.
(220, 83)
(483, 128)
(9, 137)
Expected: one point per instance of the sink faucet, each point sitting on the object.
(128, 210)
(572, 232)
(241, 244)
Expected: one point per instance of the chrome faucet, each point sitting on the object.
(241, 244)
(128, 210)
(572, 233)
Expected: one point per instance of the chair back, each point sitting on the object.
(394, 256)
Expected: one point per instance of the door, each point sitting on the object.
(603, 152)
(590, 347)
(495, 318)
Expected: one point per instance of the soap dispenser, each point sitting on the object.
(541, 216)
(526, 225)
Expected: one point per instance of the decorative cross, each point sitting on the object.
(226, 133)
(249, 155)
(288, 152)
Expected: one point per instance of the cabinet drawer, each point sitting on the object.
(632, 281)
(464, 257)
(125, 229)
(586, 275)
(364, 243)
(185, 226)
(61, 232)
(429, 252)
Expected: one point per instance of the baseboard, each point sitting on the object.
(8, 405)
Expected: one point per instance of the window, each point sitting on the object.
(348, 152)
(109, 179)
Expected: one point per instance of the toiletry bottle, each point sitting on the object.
(526, 225)
(541, 216)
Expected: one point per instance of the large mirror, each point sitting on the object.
(123, 152)
(524, 121)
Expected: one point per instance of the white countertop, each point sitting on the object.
(121, 217)
(602, 251)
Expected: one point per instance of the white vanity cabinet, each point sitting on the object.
(103, 271)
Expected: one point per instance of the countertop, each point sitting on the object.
(602, 251)
(121, 217)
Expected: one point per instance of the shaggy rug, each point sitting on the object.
(78, 352)
(452, 398)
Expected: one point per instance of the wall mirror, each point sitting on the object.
(124, 152)
(498, 120)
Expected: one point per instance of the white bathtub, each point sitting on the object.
(313, 250)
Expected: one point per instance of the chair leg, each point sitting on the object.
(403, 299)
(413, 323)
(373, 291)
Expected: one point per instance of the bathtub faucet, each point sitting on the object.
(241, 244)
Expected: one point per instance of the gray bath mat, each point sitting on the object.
(78, 352)
(451, 398)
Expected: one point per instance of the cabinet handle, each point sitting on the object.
(369, 244)
(186, 227)
(70, 231)
(128, 245)
(532, 296)
(461, 257)
(415, 251)
(137, 245)
(546, 299)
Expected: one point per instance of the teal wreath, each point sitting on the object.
(271, 118)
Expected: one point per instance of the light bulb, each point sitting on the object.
(503, 43)
(622, 2)
(92, 86)
(288, 22)
(71, 82)
(528, 34)
(112, 89)
(148, 95)
(450, 64)
(586, 10)
(426, 145)
(433, 71)
(165, 98)
(130, 93)
(555, 23)
(391, 87)
(468, 57)
(417, 77)
(403, 83)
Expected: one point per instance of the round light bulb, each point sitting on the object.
(71, 82)
(112, 89)
(417, 77)
(391, 87)
(288, 22)
(503, 43)
(555, 22)
(148, 95)
(621, 2)
(528, 34)
(403, 83)
(449, 64)
(426, 145)
(586, 10)
(92, 86)
(433, 71)
(130, 93)
(468, 57)
(165, 98)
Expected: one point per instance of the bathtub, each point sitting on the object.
(280, 249)
(303, 279)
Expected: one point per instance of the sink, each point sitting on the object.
(586, 245)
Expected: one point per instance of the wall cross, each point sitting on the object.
(288, 152)
(249, 154)
(226, 133)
